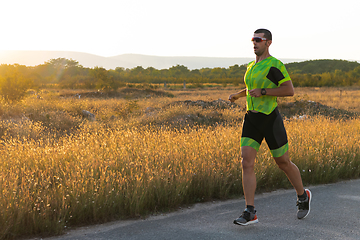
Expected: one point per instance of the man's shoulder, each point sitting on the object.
(274, 60)
(250, 64)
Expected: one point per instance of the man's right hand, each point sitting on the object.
(233, 97)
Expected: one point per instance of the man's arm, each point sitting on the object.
(285, 89)
(237, 95)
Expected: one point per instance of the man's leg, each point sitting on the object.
(291, 171)
(293, 174)
(248, 155)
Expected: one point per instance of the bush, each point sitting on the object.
(13, 85)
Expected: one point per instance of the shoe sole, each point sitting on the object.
(310, 197)
(247, 223)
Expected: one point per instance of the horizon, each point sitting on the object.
(172, 56)
(32, 58)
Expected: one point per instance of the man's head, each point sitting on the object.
(267, 33)
(262, 40)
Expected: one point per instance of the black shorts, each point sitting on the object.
(257, 126)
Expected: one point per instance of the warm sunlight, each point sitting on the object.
(159, 119)
(189, 28)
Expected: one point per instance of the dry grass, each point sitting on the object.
(59, 170)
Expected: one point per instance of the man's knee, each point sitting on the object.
(246, 163)
(283, 162)
(248, 158)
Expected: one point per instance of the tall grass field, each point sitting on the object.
(150, 151)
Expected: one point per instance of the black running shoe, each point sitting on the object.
(304, 206)
(247, 218)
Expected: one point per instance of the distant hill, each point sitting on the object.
(34, 58)
(321, 66)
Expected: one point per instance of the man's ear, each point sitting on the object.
(268, 43)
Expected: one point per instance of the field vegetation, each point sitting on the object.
(146, 151)
(69, 74)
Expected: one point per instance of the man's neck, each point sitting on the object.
(262, 57)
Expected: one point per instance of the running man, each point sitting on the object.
(266, 79)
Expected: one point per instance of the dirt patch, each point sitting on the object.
(311, 108)
(197, 119)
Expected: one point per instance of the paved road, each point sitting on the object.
(335, 214)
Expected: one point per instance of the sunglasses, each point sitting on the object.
(258, 39)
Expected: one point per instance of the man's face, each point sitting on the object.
(259, 47)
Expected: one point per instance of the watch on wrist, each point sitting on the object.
(263, 91)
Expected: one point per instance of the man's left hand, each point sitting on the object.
(255, 92)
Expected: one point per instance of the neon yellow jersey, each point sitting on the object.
(268, 73)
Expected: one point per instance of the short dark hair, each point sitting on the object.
(267, 33)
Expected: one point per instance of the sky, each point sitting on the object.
(306, 29)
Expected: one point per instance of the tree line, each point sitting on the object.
(15, 79)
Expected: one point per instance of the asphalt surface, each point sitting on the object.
(335, 214)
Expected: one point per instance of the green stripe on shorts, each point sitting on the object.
(280, 151)
(245, 141)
